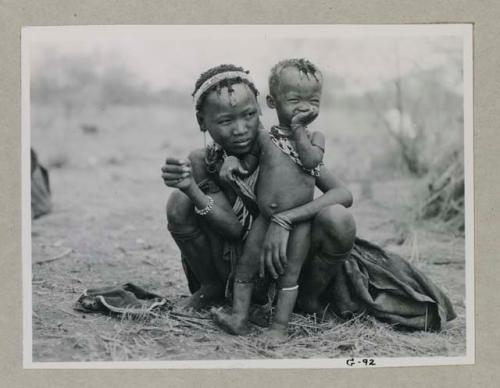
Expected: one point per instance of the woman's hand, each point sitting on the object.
(177, 173)
(273, 254)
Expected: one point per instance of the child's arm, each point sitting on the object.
(310, 150)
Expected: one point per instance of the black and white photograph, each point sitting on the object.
(236, 196)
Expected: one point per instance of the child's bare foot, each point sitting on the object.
(230, 323)
(276, 332)
(205, 297)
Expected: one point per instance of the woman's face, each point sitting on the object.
(231, 118)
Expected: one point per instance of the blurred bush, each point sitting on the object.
(391, 130)
(421, 115)
(442, 197)
(81, 81)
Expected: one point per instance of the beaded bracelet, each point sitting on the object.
(207, 209)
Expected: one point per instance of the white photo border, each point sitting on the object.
(32, 34)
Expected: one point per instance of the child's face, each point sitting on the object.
(296, 93)
(231, 118)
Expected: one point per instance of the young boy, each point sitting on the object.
(289, 158)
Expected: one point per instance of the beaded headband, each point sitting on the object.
(217, 79)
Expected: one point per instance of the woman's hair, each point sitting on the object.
(227, 83)
(301, 64)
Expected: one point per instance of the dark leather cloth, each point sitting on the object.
(389, 288)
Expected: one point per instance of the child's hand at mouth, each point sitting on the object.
(302, 118)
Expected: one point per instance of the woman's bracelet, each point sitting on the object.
(207, 209)
(282, 221)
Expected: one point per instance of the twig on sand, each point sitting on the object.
(446, 262)
(169, 334)
(178, 314)
(258, 348)
(107, 339)
(68, 312)
(149, 328)
(324, 312)
(305, 326)
(55, 258)
(192, 321)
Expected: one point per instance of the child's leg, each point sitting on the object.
(248, 266)
(298, 247)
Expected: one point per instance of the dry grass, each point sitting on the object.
(443, 198)
(159, 337)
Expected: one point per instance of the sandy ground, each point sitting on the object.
(109, 218)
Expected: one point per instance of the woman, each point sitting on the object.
(209, 220)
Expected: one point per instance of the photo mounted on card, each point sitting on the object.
(247, 196)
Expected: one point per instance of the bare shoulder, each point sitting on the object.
(197, 155)
(197, 159)
(263, 136)
(262, 133)
(317, 135)
(318, 139)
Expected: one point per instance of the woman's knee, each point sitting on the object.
(179, 211)
(336, 223)
(246, 271)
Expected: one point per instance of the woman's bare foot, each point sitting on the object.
(230, 323)
(309, 305)
(205, 297)
(260, 315)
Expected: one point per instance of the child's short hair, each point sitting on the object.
(227, 83)
(301, 64)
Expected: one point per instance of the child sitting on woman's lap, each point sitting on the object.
(289, 159)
